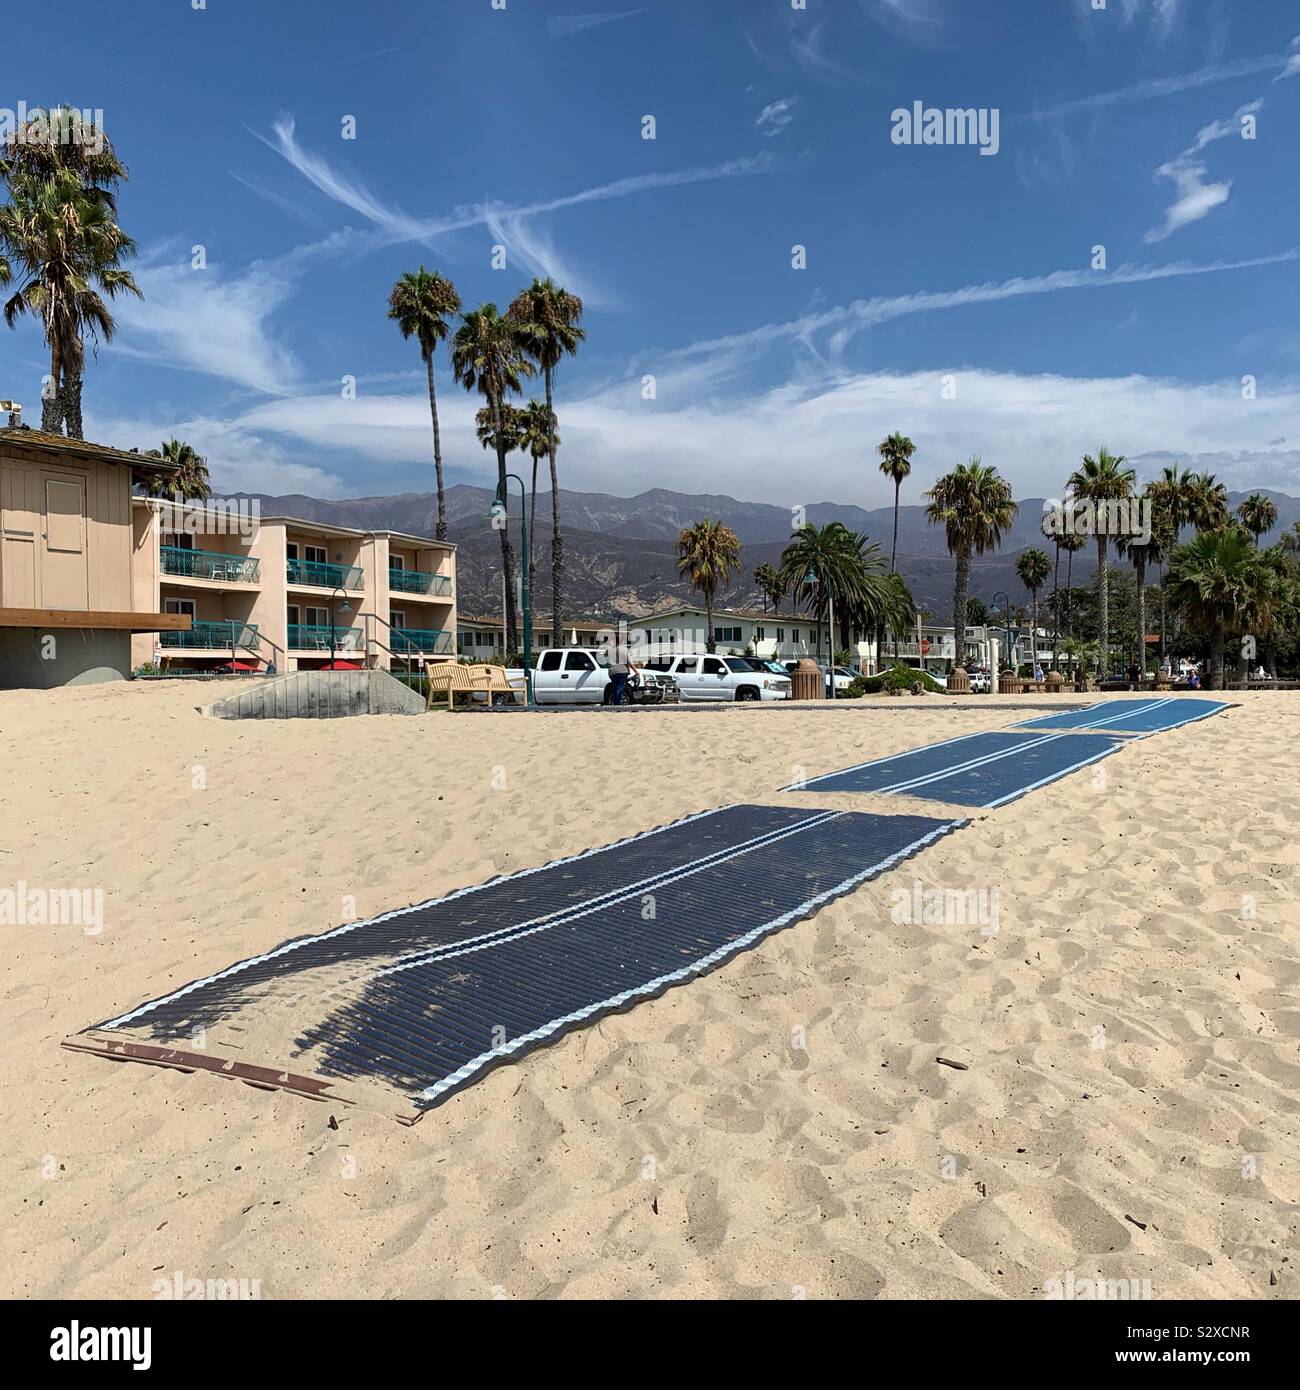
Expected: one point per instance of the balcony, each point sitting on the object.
(226, 636)
(408, 640)
(325, 576)
(315, 637)
(418, 582)
(208, 564)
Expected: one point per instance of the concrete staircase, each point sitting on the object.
(319, 695)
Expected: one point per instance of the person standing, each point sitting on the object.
(621, 667)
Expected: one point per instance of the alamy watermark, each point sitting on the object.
(1121, 516)
(23, 905)
(1071, 1288)
(62, 125)
(214, 516)
(946, 907)
(949, 125)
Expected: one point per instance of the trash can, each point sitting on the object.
(807, 681)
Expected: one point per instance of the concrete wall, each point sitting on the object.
(320, 695)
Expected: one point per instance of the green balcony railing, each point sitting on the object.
(325, 576)
(406, 640)
(208, 564)
(213, 636)
(315, 637)
(418, 582)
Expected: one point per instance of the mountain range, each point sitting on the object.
(620, 552)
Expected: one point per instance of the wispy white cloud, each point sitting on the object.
(811, 51)
(213, 321)
(563, 26)
(1156, 87)
(530, 243)
(1292, 68)
(919, 20)
(1166, 17)
(776, 115)
(863, 314)
(1198, 195)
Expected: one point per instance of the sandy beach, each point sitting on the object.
(777, 1129)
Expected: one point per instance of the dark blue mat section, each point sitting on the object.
(1137, 716)
(436, 994)
(984, 770)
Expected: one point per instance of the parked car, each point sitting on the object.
(981, 683)
(844, 675)
(707, 677)
(580, 676)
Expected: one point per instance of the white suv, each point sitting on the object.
(718, 678)
(579, 676)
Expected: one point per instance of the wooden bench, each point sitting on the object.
(452, 679)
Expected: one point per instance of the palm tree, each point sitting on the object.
(486, 357)
(974, 505)
(60, 239)
(1071, 542)
(190, 478)
(546, 322)
(896, 464)
(769, 584)
(1053, 533)
(830, 566)
(1258, 514)
(1220, 583)
(708, 553)
(1207, 502)
(1172, 493)
(420, 303)
(1143, 552)
(1100, 480)
(537, 432)
(1033, 567)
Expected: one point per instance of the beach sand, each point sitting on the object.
(777, 1129)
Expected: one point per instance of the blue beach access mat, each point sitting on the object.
(407, 1008)
(983, 770)
(1138, 716)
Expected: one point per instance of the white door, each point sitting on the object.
(547, 678)
(688, 678)
(580, 680)
(713, 678)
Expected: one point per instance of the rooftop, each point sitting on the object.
(60, 444)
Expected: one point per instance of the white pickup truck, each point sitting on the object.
(705, 677)
(580, 676)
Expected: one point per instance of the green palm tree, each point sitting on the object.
(1221, 584)
(537, 430)
(1258, 514)
(1172, 493)
(190, 478)
(896, 464)
(708, 553)
(1033, 567)
(1101, 479)
(60, 240)
(769, 584)
(486, 357)
(546, 320)
(1071, 542)
(1207, 502)
(974, 505)
(420, 303)
(1143, 553)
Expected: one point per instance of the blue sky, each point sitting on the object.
(947, 293)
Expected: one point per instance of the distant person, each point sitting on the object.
(1193, 679)
(1038, 674)
(621, 667)
(1134, 675)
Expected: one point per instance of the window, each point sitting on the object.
(780, 634)
(291, 550)
(794, 634)
(395, 562)
(315, 554)
(318, 617)
(687, 665)
(295, 618)
(712, 666)
(550, 661)
(397, 617)
(738, 663)
(179, 605)
(658, 663)
(726, 634)
(578, 661)
(760, 635)
(178, 540)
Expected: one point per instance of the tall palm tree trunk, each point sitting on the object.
(1069, 592)
(709, 643)
(507, 552)
(1103, 607)
(961, 584)
(1033, 630)
(1142, 617)
(893, 564)
(441, 531)
(557, 541)
(72, 406)
(1056, 611)
(532, 550)
(1217, 642)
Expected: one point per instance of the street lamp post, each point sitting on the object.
(347, 608)
(499, 518)
(1006, 614)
